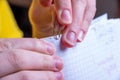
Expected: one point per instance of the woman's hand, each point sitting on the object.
(29, 59)
(75, 15)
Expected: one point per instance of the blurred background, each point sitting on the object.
(112, 7)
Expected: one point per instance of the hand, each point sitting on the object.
(75, 15)
(29, 59)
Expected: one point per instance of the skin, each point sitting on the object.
(74, 15)
(28, 59)
(33, 59)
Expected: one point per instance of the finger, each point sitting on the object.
(41, 19)
(64, 11)
(37, 45)
(89, 15)
(46, 3)
(17, 60)
(71, 32)
(34, 75)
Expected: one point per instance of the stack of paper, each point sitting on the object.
(97, 57)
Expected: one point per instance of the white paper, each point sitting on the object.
(97, 57)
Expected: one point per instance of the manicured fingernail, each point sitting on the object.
(58, 63)
(80, 37)
(71, 37)
(59, 76)
(66, 16)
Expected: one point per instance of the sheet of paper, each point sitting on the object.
(97, 57)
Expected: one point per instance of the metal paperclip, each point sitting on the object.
(57, 30)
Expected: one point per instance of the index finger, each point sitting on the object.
(71, 32)
(64, 11)
(31, 44)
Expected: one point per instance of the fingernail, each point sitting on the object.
(59, 76)
(66, 16)
(50, 49)
(58, 63)
(71, 37)
(80, 37)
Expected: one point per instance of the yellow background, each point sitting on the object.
(8, 25)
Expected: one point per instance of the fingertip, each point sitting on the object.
(58, 63)
(64, 11)
(66, 40)
(64, 16)
(50, 48)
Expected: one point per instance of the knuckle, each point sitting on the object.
(5, 44)
(43, 19)
(15, 59)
